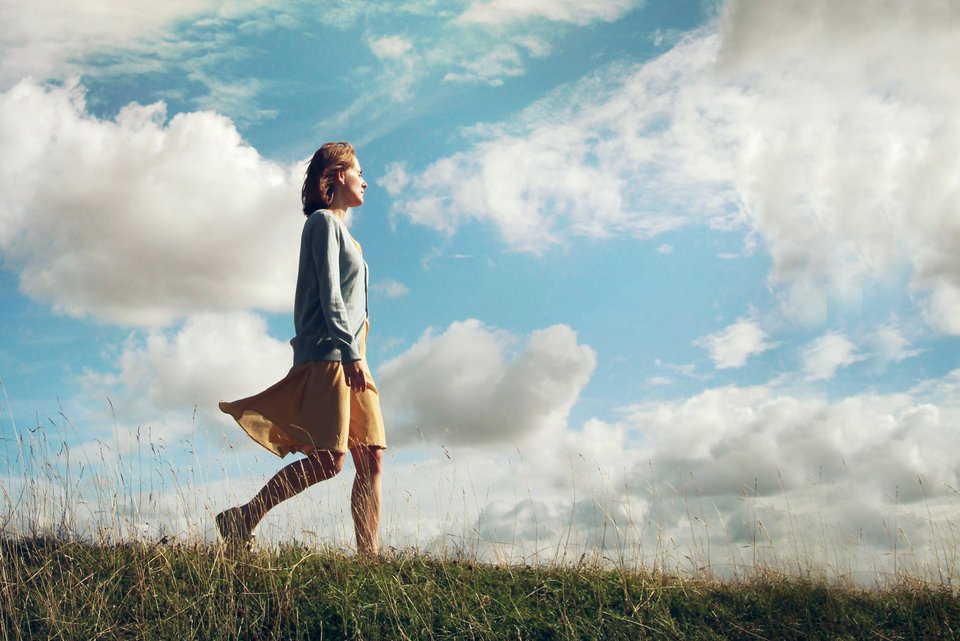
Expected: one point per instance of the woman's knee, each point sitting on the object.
(368, 460)
(331, 462)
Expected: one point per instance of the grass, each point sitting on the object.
(53, 589)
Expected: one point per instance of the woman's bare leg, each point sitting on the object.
(365, 498)
(290, 481)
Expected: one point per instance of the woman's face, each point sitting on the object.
(353, 185)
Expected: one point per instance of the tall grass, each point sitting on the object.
(77, 563)
(61, 590)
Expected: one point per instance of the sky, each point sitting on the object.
(672, 283)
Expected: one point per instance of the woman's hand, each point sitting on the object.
(355, 375)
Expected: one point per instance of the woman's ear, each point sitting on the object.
(342, 176)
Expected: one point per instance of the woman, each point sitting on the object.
(327, 404)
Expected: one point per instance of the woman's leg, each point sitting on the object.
(290, 481)
(365, 498)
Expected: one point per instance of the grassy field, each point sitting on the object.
(71, 590)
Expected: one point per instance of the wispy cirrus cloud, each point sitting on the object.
(55, 40)
(578, 12)
(46, 38)
(105, 41)
(460, 43)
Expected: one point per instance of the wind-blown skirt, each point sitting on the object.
(312, 408)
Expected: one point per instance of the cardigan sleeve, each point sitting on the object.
(327, 243)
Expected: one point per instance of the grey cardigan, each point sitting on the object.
(330, 309)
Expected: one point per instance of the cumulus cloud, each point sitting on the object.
(876, 451)
(211, 357)
(725, 477)
(733, 345)
(845, 172)
(140, 220)
(857, 187)
(824, 356)
(460, 387)
(190, 368)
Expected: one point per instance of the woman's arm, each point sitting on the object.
(326, 248)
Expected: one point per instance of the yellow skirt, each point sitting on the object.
(312, 408)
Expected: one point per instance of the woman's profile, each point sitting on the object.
(327, 403)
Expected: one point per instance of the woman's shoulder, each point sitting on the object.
(322, 219)
(320, 213)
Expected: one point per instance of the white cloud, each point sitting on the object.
(861, 184)
(890, 345)
(846, 172)
(153, 422)
(49, 38)
(592, 159)
(943, 307)
(394, 179)
(824, 356)
(140, 220)
(402, 69)
(724, 478)
(191, 368)
(733, 345)
(237, 98)
(502, 61)
(39, 38)
(813, 472)
(459, 387)
(388, 47)
(687, 370)
(483, 44)
(391, 288)
(578, 12)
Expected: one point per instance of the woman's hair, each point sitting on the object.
(317, 192)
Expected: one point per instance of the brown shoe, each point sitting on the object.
(233, 528)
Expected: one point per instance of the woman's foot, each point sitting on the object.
(234, 528)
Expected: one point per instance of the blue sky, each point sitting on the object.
(619, 250)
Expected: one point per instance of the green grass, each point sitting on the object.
(54, 589)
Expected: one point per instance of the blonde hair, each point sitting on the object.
(317, 192)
